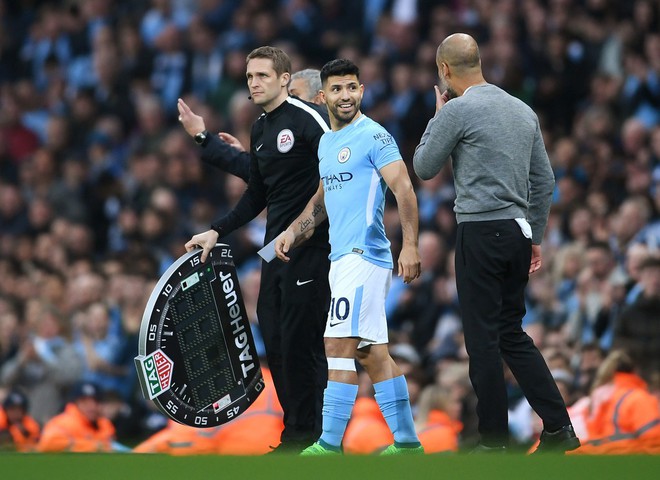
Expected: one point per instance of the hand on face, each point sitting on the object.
(440, 98)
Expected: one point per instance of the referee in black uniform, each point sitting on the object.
(225, 151)
(293, 297)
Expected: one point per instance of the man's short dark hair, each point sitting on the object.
(281, 61)
(339, 67)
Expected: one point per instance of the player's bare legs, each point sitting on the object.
(391, 395)
(342, 348)
(376, 361)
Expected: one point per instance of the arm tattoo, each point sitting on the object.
(318, 208)
(305, 223)
(309, 221)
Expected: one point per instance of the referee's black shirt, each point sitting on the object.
(284, 170)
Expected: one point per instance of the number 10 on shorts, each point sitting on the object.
(340, 308)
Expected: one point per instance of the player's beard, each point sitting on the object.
(343, 119)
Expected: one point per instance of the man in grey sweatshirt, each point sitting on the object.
(504, 185)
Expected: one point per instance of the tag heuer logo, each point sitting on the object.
(157, 370)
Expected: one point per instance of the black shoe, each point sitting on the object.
(275, 450)
(559, 441)
(484, 449)
(288, 448)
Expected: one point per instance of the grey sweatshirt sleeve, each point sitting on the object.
(439, 139)
(542, 183)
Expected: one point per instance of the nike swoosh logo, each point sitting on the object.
(335, 324)
(299, 283)
(259, 147)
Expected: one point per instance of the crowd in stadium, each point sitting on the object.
(100, 188)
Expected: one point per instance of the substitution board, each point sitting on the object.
(196, 355)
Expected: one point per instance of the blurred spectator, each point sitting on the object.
(13, 215)
(407, 303)
(233, 80)
(238, 35)
(587, 299)
(406, 357)
(81, 427)
(47, 45)
(46, 364)
(135, 56)
(10, 331)
(631, 217)
(636, 255)
(589, 358)
(18, 431)
(544, 308)
(437, 420)
(206, 61)
(161, 15)
(111, 89)
(168, 78)
(613, 302)
(252, 433)
(641, 88)
(565, 382)
(150, 129)
(100, 345)
(217, 13)
(267, 30)
(367, 432)
(619, 416)
(638, 329)
(452, 376)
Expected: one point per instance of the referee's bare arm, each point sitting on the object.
(300, 230)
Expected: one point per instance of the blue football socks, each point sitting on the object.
(394, 402)
(338, 401)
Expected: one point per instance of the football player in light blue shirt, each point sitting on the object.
(355, 190)
(358, 161)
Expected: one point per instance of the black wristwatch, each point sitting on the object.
(201, 137)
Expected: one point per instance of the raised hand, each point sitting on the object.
(192, 123)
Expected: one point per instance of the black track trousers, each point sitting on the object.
(492, 268)
(292, 311)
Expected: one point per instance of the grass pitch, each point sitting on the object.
(442, 467)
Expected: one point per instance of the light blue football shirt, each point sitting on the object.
(349, 164)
